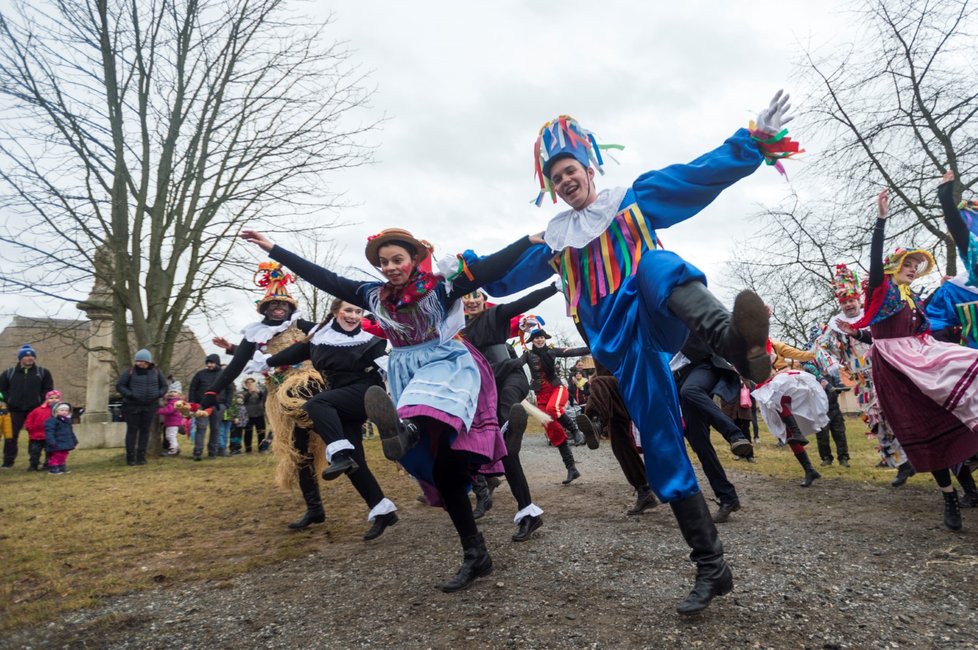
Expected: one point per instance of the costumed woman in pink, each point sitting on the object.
(926, 387)
(444, 426)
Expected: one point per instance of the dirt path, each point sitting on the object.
(839, 565)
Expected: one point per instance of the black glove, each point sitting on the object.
(209, 401)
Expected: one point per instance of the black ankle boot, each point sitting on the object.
(570, 426)
(644, 501)
(396, 435)
(483, 496)
(590, 431)
(568, 457)
(525, 528)
(309, 487)
(806, 464)
(713, 576)
(952, 510)
(476, 563)
(381, 522)
(904, 472)
(969, 496)
(794, 431)
(739, 337)
(341, 464)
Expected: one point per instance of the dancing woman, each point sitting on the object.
(444, 427)
(926, 387)
(346, 358)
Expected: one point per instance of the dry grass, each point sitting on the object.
(106, 528)
(779, 462)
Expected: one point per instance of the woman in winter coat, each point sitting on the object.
(141, 388)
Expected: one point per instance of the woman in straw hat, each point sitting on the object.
(444, 424)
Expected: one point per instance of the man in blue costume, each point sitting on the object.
(636, 302)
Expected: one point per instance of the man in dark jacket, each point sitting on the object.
(202, 383)
(141, 388)
(23, 388)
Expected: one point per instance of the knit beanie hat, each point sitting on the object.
(56, 407)
(52, 393)
(26, 350)
(143, 355)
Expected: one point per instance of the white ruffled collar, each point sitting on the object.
(259, 332)
(328, 335)
(834, 321)
(577, 228)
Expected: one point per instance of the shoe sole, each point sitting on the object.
(587, 428)
(517, 420)
(382, 412)
(741, 448)
(751, 320)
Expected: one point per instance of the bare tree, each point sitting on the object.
(156, 129)
(898, 108)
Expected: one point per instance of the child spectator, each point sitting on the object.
(60, 438)
(35, 429)
(173, 419)
(240, 422)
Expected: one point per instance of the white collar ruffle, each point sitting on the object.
(577, 228)
(259, 332)
(329, 336)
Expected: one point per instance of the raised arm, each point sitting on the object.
(532, 268)
(952, 216)
(243, 353)
(490, 268)
(876, 246)
(529, 301)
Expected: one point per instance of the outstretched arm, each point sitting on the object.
(490, 268)
(952, 216)
(290, 356)
(876, 246)
(317, 276)
(529, 301)
(532, 268)
(571, 352)
(243, 353)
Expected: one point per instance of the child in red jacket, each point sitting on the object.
(35, 429)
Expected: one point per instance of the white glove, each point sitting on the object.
(773, 118)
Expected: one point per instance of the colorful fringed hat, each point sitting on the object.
(893, 261)
(560, 138)
(274, 280)
(846, 283)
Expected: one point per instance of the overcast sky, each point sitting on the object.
(466, 86)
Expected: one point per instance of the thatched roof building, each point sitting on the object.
(61, 346)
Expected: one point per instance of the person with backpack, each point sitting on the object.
(141, 388)
(23, 388)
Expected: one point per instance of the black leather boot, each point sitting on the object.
(525, 528)
(381, 522)
(952, 510)
(483, 497)
(739, 337)
(476, 563)
(309, 486)
(130, 458)
(644, 501)
(810, 473)
(904, 472)
(568, 457)
(570, 426)
(794, 431)
(396, 435)
(590, 431)
(342, 463)
(713, 576)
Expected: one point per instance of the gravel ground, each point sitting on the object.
(839, 565)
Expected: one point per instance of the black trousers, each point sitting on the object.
(138, 421)
(606, 403)
(511, 390)
(699, 412)
(17, 419)
(34, 449)
(452, 474)
(338, 414)
(837, 428)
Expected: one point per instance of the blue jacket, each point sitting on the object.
(59, 435)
